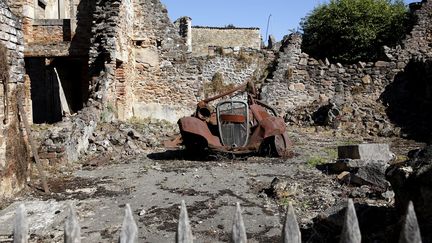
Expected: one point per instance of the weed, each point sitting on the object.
(326, 155)
(332, 153)
(400, 158)
(313, 161)
(285, 201)
(289, 74)
(138, 121)
(217, 85)
(245, 57)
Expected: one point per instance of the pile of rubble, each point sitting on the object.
(348, 114)
(412, 181)
(130, 138)
(109, 139)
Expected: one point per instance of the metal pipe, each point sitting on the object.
(268, 23)
(239, 88)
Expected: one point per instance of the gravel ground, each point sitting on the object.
(154, 183)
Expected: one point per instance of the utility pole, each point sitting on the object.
(268, 23)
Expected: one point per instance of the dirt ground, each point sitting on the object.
(155, 183)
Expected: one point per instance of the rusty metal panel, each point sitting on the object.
(196, 126)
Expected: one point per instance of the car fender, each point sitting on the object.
(272, 126)
(193, 125)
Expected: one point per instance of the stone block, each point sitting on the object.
(367, 79)
(381, 64)
(377, 152)
(148, 56)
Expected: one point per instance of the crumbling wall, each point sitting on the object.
(124, 62)
(205, 37)
(13, 152)
(301, 84)
(167, 81)
(158, 52)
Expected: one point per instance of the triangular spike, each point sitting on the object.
(238, 228)
(410, 229)
(184, 232)
(351, 230)
(129, 232)
(21, 230)
(72, 229)
(291, 230)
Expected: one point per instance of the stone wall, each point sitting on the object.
(177, 88)
(302, 84)
(124, 61)
(13, 152)
(205, 37)
(300, 79)
(160, 79)
(156, 49)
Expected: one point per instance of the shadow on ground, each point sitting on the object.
(183, 154)
(377, 224)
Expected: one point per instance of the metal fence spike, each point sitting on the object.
(184, 232)
(129, 232)
(21, 229)
(291, 230)
(351, 230)
(72, 229)
(410, 229)
(238, 228)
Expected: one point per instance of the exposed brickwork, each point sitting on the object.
(51, 31)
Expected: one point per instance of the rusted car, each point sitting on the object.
(235, 126)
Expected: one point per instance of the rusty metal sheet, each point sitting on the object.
(196, 126)
(234, 118)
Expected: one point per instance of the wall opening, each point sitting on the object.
(46, 90)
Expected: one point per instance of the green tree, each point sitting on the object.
(353, 30)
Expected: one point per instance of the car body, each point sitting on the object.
(235, 126)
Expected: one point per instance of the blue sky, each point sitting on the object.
(285, 14)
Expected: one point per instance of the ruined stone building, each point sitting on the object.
(132, 46)
(83, 57)
(374, 98)
(128, 58)
(201, 40)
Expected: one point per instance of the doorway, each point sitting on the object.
(57, 83)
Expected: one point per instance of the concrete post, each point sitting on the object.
(189, 34)
(184, 25)
(61, 9)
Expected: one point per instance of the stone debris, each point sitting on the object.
(281, 189)
(377, 152)
(412, 181)
(361, 172)
(128, 139)
(363, 165)
(350, 116)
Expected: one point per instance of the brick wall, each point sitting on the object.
(47, 31)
